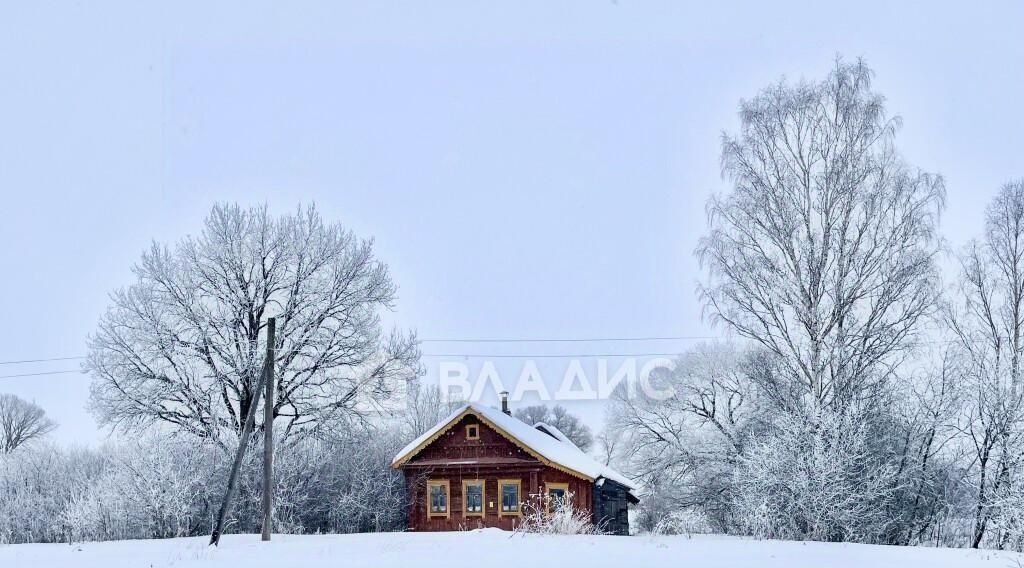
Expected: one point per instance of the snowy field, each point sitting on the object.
(489, 548)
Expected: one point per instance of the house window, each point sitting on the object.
(509, 490)
(557, 496)
(473, 498)
(437, 498)
(473, 432)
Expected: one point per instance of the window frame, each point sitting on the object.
(475, 427)
(501, 497)
(547, 493)
(483, 498)
(447, 498)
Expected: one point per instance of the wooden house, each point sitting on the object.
(481, 467)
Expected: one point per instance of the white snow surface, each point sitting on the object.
(565, 454)
(492, 548)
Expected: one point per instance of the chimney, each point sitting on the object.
(504, 403)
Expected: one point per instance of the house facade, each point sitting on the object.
(481, 467)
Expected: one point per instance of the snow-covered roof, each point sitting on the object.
(551, 449)
(545, 427)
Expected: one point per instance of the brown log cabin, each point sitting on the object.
(481, 467)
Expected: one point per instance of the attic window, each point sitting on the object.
(473, 432)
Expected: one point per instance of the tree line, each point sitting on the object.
(867, 397)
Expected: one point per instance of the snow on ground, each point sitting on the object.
(490, 548)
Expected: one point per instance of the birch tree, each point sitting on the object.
(183, 346)
(823, 252)
(988, 322)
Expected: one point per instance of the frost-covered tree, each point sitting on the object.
(915, 431)
(159, 486)
(823, 257)
(21, 422)
(609, 445)
(1006, 508)
(683, 448)
(340, 483)
(557, 416)
(425, 407)
(817, 480)
(823, 252)
(184, 345)
(988, 321)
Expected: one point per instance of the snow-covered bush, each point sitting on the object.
(161, 487)
(154, 488)
(544, 515)
(149, 488)
(817, 478)
(342, 485)
(36, 485)
(683, 522)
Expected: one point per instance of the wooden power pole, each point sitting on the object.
(268, 435)
(250, 419)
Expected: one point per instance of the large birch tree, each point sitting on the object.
(823, 252)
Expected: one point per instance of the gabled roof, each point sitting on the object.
(549, 449)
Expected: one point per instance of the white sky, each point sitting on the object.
(537, 169)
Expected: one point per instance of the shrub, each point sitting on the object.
(546, 516)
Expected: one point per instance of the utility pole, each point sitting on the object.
(250, 419)
(268, 434)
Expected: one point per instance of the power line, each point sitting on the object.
(40, 360)
(570, 339)
(546, 355)
(451, 355)
(39, 374)
(471, 340)
(482, 355)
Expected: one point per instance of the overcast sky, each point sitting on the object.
(533, 170)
